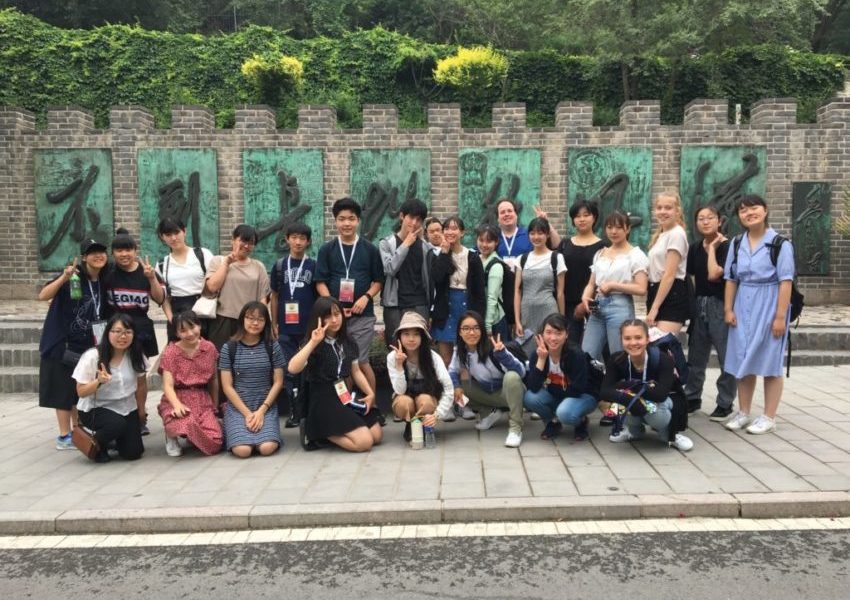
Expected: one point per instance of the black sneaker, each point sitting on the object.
(407, 434)
(291, 422)
(694, 404)
(720, 414)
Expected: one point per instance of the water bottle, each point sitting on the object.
(430, 438)
(76, 288)
(417, 435)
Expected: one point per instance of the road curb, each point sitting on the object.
(421, 512)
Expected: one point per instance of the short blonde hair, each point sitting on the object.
(680, 219)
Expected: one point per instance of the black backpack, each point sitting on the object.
(554, 260)
(508, 284)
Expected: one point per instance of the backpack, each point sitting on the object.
(795, 306)
(515, 349)
(797, 299)
(595, 375)
(508, 289)
(554, 260)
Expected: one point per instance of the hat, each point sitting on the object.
(412, 320)
(91, 245)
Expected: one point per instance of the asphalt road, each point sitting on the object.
(770, 565)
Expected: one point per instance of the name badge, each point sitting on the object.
(346, 290)
(98, 328)
(342, 391)
(290, 314)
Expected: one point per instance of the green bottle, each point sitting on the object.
(76, 288)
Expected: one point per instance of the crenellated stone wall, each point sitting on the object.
(794, 152)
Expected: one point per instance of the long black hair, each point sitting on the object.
(254, 307)
(105, 351)
(483, 346)
(431, 383)
(322, 308)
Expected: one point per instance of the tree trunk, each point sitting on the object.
(824, 26)
(624, 76)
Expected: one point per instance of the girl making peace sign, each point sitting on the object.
(421, 383)
(329, 356)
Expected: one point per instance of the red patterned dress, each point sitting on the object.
(191, 378)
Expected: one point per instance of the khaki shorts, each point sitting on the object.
(361, 330)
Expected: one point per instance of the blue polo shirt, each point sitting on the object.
(518, 243)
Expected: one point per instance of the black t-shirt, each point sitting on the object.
(411, 288)
(578, 260)
(130, 293)
(365, 267)
(698, 267)
(323, 365)
(68, 322)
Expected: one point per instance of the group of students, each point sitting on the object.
(521, 323)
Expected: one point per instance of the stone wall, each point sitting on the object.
(795, 152)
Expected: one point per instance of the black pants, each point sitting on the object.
(108, 425)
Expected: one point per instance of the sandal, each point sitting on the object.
(551, 431)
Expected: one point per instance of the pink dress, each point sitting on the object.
(191, 378)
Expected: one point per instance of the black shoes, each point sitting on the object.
(720, 414)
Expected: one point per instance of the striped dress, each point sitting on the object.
(252, 375)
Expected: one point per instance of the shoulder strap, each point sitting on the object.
(775, 247)
(736, 245)
(553, 258)
(200, 256)
(522, 260)
(654, 358)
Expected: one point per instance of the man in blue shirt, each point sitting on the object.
(349, 268)
(513, 241)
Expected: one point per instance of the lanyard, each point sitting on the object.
(95, 299)
(339, 356)
(294, 282)
(350, 260)
(645, 365)
(509, 247)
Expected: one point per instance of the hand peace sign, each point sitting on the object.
(400, 356)
(498, 346)
(540, 213)
(318, 333)
(147, 268)
(542, 350)
(103, 376)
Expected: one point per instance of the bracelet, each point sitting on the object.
(368, 295)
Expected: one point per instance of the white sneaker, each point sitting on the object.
(514, 439)
(535, 416)
(172, 447)
(468, 414)
(487, 422)
(621, 437)
(682, 443)
(738, 421)
(761, 425)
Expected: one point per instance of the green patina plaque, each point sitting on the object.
(486, 176)
(73, 202)
(719, 176)
(182, 184)
(812, 221)
(615, 178)
(381, 180)
(282, 187)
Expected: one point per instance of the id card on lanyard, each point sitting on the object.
(290, 309)
(346, 284)
(509, 246)
(98, 325)
(341, 388)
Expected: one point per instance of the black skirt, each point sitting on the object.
(676, 306)
(56, 389)
(327, 416)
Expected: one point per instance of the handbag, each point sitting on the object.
(83, 438)
(205, 307)
(70, 358)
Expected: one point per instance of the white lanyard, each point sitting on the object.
(645, 365)
(339, 356)
(509, 247)
(95, 299)
(350, 260)
(294, 282)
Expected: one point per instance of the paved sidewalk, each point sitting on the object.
(802, 470)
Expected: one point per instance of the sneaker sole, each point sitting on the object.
(719, 419)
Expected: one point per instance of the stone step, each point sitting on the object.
(19, 355)
(20, 332)
(18, 380)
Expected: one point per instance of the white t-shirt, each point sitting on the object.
(675, 239)
(620, 269)
(539, 261)
(185, 279)
(119, 395)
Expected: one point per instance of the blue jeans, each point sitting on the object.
(709, 329)
(570, 411)
(604, 325)
(659, 420)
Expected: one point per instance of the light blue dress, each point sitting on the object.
(751, 348)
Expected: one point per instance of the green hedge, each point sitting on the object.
(43, 66)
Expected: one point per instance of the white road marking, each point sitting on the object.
(441, 530)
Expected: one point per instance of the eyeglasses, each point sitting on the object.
(256, 319)
(470, 329)
(121, 332)
(707, 219)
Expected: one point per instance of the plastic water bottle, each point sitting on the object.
(76, 288)
(430, 438)
(417, 435)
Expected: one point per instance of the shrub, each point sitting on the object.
(477, 74)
